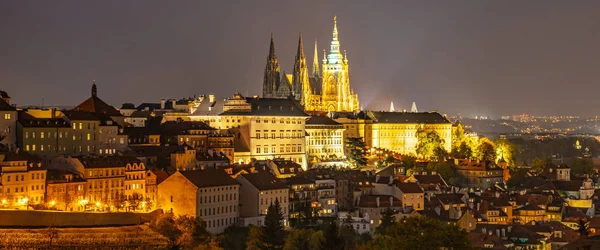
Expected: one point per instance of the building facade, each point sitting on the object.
(325, 139)
(209, 194)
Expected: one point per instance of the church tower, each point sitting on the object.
(336, 92)
(315, 66)
(271, 78)
(300, 83)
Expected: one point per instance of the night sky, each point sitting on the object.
(469, 57)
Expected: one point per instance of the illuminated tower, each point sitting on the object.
(271, 78)
(392, 109)
(414, 108)
(300, 83)
(336, 92)
(315, 66)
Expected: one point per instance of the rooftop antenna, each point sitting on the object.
(42, 103)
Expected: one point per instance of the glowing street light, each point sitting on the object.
(52, 203)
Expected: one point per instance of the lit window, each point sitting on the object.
(89, 136)
(7, 116)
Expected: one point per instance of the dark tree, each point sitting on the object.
(234, 238)
(388, 219)
(273, 233)
(357, 151)
(332, 237)
(486, 151)
(254, 239)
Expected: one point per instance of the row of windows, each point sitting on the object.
(106, 172)
(325, 142)
(271, 200)
(24, 189)
(218, 198)
(281, 121)
(221, 222)
(324, 150)
(36, 176)
(293, 148)
(102, 184)
(49, 148)
(325, 133)
(287, 134)
(134, 186)
(89, 125)
(217, 210)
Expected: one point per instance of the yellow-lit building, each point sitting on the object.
(23, 180)
(328, 90)
(65, 189)
(325, 139)
(135, 178)
(395, 131)
(105, 179)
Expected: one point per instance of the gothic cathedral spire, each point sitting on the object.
(315, 66)
(300, 75)
(271, 78)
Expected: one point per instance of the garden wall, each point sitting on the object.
(28, 218)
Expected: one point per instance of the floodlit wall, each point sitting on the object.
(23, 218)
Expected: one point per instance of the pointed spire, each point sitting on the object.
(345, 57)
(316, 62)
(335, 32)
(414, 108)
(392, 109)
(271, 77)
(94, 89)
(324, 57)
(272, 48)
(300, 47)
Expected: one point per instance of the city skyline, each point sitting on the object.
(437, 55)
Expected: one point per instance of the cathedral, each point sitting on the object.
(327, 90)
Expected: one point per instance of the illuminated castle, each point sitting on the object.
(328, 90)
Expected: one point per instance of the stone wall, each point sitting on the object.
(23, 218)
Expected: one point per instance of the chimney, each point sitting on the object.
(478, 203)
(173, 102)
(391, 180)
(162, 103)
(484, 230)
(377, 200)
(503, 233)
(211, 98)
(497, 232)
(377, 178)
(508, 229)
(391, 201)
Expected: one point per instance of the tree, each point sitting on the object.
(357, 151)
(347, 233)
(539, 165)
(273, 234)
(388, 220)
(301, 239)
(165, 226)
(420, 233)
(332, 237)
(193, 231)
(442, 168)
(182, 231)
(439, 155)
(486, 150)
(234, 238)
(462, 146)
(463, 151)
(505, 150)
(254, 239)
(408, 161)
(427, 143)
(582, 167)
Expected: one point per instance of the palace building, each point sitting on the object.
(328, 90)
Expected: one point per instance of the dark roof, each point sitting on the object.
(78, 115)
(3, 94)
(321, 120)
(161, 175)
(153, 106)
(430, 179)
(155, 151)
(140, 114)
(568, 185)
(107, 161)
(270, 107)
(27, 120)
(209, 177)
(96, 105)
(183, 127)
(21, 156)
(530, 207)
(127, 105)
(384, 201)
(264, 181)
(58, 176)
(409, 188)
(5, 106)
(286, 166)
(407, 117)
(298, 180)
